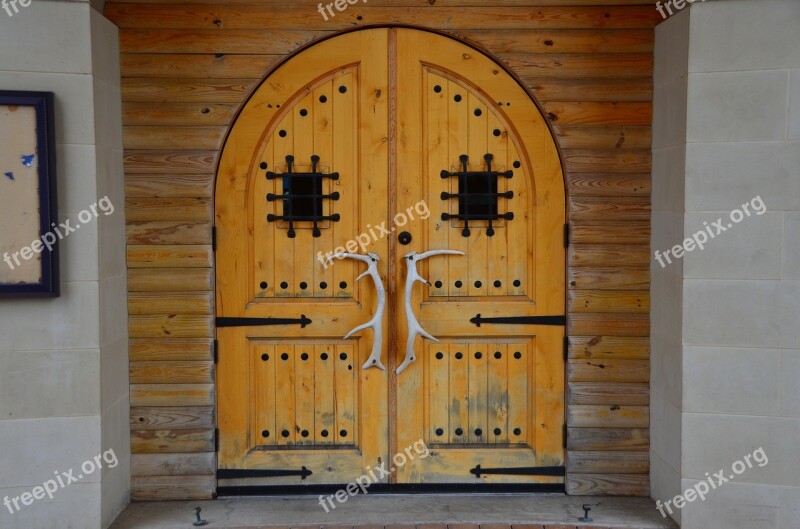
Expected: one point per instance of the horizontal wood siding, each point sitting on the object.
(189, 65)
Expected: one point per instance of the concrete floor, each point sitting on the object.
(397, 509)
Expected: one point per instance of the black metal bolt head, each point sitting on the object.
(200, 522)
(586, 508)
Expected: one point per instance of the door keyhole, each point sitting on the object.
(404, 238)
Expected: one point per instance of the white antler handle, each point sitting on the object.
(376, 323)
(414, 328)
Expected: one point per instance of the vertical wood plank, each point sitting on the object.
(437, 160)
(283, 252)
(497, 277)
(265, 232)
(478, 379)
(459, 392)
(498, 394)
(457, 124)
(346, 142)
(304, 260)
(285, 380)
(345, 394)
(518, 391)
(324, 395)
(264, 384)
(438, 384)
(478, 253)
(304, 394)
(323, 147)
(517, 237)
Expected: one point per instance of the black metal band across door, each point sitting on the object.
(302, 321)
(231, 473)
(521, 320)
(520, 471)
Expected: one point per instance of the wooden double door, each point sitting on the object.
(426, 159)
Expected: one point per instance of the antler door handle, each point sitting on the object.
(414, 328)
(376, 323)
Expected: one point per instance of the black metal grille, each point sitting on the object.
(303, 196)
(478, 195)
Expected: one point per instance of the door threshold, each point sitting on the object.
(412, 511)
(382, 488)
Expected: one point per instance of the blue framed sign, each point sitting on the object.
(28, 198)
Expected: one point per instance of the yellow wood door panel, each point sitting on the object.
(293, 396)
(336, 141)
(474, 146)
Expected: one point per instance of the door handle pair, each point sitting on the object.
(376, 323)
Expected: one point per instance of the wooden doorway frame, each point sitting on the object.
(550, 141)
(589, 66)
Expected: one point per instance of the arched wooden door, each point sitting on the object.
(405, 142)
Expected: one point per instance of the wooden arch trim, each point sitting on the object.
(445, 35)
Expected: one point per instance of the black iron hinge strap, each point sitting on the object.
(302, 321)
(521, 320)
(229, 473)
(520, 471)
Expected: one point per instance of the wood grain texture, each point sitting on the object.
(187, 66)
(614, 416)
(608, 484)
(172, 441)
(155, 280)
(194, 185)
(170, 256)
(609, 393)
(280, 18)
(609, 347)
(172, 417)
(197, 209)
(165, 488)
(608, 439)
(600, 462)
(608, 370)
(190, 464)
(170, 349)
(172, 394)
(183, 91)
(170, 325)
(172, 372)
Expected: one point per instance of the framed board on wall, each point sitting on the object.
(28, 198)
